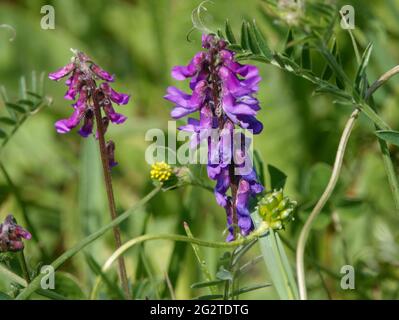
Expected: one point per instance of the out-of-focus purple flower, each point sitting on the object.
(83, 76)
(223, 91)
(11, 235)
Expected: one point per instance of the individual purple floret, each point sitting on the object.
(223, 93)
(11, 235)
(83, 76)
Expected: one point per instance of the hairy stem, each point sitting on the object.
(110, 193)
(320, 204)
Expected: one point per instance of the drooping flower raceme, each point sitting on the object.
(83, 76)
(11, 235)
(223, 94)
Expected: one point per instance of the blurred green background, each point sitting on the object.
(59, 180)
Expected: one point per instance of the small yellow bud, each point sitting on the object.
(161, 171)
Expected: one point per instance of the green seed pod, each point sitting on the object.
(276, 210)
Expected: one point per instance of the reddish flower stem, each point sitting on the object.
(110, 192)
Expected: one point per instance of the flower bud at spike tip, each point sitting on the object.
(161, 171)
(11, 235)
(276, 210)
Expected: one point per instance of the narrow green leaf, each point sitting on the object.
(389, 136)
(289, 49)
(328, 72)
(235, 47)
(262, 42)
(244, 36)
(33, 94)
(229, 33)
(288, 268)
(26, 102)
(277, 177)
(361, 71)
(274, 267)
(305, 57)
(334, 91)
(15, 107)
(340, 82)
(253, 42)
(3, 134)
(220, 33)
(333, 61)
(204, 284)
(7, 121)
(259, 167)
(252, 288)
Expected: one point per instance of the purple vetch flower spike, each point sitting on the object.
(12, 235)
(224, 92)
(83, 75)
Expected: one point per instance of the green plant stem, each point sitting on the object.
(12, 276)
(24, 266)
(35, 283)
(110, 193)
(320, 204)
(174, 237)
(22, 282)
(200, 259)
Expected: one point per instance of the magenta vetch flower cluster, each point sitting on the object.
(223, 93)
(11, 235)
(82, 86)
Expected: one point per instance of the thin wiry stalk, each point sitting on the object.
(110, 194)
(320, 204)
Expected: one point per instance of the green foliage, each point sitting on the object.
(54, 179)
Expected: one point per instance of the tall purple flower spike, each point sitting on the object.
(223, 93)
(83, 75)
(11, 235)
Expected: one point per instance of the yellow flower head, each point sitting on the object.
(161, 171)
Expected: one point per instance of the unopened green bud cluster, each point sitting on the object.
(276, 210)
